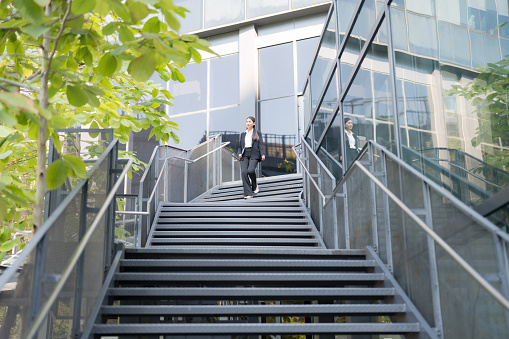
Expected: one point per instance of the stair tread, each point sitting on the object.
(249, 276)
(254, 309)
(265, 233)
(248, 292)
(222, 213)
(233, 240)
(264, 328)
(232, 220)
(245, 263)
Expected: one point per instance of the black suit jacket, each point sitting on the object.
(258, 148)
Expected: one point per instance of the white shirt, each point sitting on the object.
(248, 140)
(351, 139)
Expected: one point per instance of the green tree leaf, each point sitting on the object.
(142, 67)
(125, 35)
(82, 6)
(76, 96)
(30, 10)
(35, 31)
(107, 65)
(56, 174)
(74, 166)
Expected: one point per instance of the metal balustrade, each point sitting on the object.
(51, 287)
(450, 261)
(176, 175)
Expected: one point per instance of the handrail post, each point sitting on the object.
(81, 261)
(433, 264)
(186, 176)
(345, 209)
(374, 215)
(387, 217)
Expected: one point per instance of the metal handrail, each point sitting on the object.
(494, 292)
(310, 176)
(77, 253)
(39, 235)
(455, 201)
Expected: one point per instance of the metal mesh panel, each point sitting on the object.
(359, 209)
(315, 200)
(340, 215)
(461, 298)
(197, 175)
(473, 242)
(329, 225)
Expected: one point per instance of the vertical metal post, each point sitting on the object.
(387, 217)
(374, 216)
(306, 159)
(165, 169)
(78, 293)
(320, 210)
(335, 222)
(433, 265)
(392, 71)
(503, 267)
(346, 225)
(185, 177)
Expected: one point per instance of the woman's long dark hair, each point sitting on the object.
(255, 133)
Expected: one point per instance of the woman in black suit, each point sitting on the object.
(351, 143)
(251, 151)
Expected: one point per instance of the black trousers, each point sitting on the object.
(247, 170)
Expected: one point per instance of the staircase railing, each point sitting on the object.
(52, 286)
(176, 175)
(450, 261)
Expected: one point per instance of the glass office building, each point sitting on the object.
(302, 66)
(265, 49)
(389, 66)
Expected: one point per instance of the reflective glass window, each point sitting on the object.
(194, 18)
(491, 48)
(279, 128)
(503, 16)
(228, 122)
(224, 81)
(453, 11)
(190, 95)
(324, 61)
(306, 50)
(482, 16)
(421, 6)
(330, 149)
(307, 106)
(345, 14)
(276, 71)
(192, 130)
(504, 44)
(422, 33)
(302, 3)
(418, 110)
(398, 3)
(357, 39)
(382, 31)
(262, 7)
(219, 12)
(359, 100)
(476, 48)
(326, 108)
(454, 44)
(399, 29)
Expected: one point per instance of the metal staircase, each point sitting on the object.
(249, 268)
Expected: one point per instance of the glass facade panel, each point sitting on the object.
(194, 18)
(326, 108)
(228, 122)
(324, 61)
(279, 128)
(482, 16)
(399, 29)
(422, 35)
(224, 81)
(302, 3)
(276, 71)
(305, 53)
(330, 150)
(453, 11)
(220, 12)
(262, 7)
(192, 130)
(306, 101)
(357, 39)
(421, 6)
(190, 95)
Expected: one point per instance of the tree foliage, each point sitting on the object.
(489, 94)
(72, 63)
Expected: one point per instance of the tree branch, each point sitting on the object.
(18, 84)
(60, 32)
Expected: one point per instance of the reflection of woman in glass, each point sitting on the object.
(351, 143)
(251, 151)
